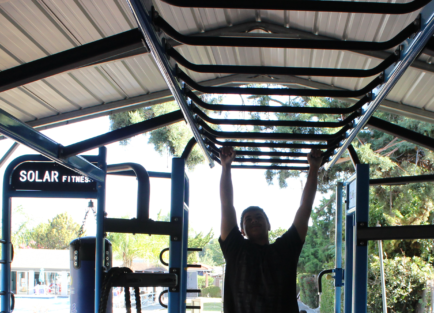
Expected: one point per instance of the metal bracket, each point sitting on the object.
(176, 220)
(177, 271)
(362, 243)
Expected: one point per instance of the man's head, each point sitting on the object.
(254, 224)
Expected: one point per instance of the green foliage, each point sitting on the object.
(276, 233)
(212, 291)
(405, 280)
(212, 254)
(197, 241)
(57, 233)
(127, 247)
(308, 290)
(201, 280)
(170, 139)
(21, 234)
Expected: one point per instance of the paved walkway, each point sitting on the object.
(302, 306)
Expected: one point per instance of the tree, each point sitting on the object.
(276, 233)
(20, 230)
(170, 139)
(57, 233)
(128, 247)
(197, 241)
(212, 254)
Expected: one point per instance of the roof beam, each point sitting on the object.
(22, 133)
(70, 59)
(277, 31)
(401, 132)
(162, 96)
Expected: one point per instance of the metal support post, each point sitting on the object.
(5, 293)
(22, 133)
(183, 282)
(8, 153)
(338, 245)
(360, 252)
(177, 248)
(99, 260)
(383, 281)
(348, 293)
(349, 224)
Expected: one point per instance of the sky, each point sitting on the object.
(250, 186)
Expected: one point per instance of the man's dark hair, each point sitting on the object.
(249, 209)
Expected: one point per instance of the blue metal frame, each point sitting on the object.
(157, 52)
(9, 193)
(178, 246)
(22, 133)
(338, 248)
(349, 224)
(356, 252)
(410, 50)
(100, 212)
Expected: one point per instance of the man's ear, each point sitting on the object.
(242, 232)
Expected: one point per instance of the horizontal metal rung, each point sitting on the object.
(396, 232)
(262, 153)
(275, 70)
(146, 280)
(273, 136)
(283, 145)
(282, 91)
(317, 6)
(277, 109)
(284, 43)
(275, 123)
(134, 226)
(273, 161)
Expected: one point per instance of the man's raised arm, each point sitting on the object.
(302, 216)
(229, 218)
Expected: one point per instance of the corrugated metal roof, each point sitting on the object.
(31, 30)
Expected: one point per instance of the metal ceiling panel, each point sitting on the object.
(125, 78)
(57, 99)
(32, 29)
(70, 87)
(100, 84)
(41, 28)
(28, 102)
(6, 60)
(14, 110)
(147, 73)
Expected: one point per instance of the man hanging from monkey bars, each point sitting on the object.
(261, 277)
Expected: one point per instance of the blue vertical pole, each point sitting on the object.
(185, 247)
(338, 245)
(349, 223)
(6, 248)
(176, 257)
(360, 261)
(99, 259)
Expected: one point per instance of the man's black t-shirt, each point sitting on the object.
(261, 279)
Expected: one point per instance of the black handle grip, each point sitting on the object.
(320, 275)
(13, 302)
(159, 298)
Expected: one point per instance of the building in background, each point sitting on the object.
(40, 272)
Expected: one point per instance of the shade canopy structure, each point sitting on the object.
(64, 62)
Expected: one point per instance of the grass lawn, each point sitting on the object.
(211, 305)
